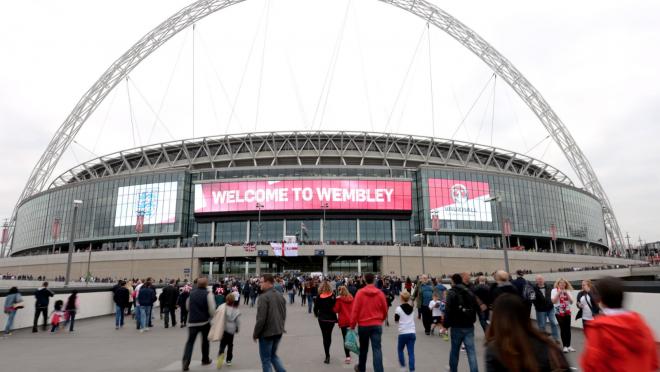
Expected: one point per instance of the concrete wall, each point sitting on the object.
(170, 262)
(92, 304)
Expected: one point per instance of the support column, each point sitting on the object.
(258, 268)
(212, 232)
(393, 231)
(247, 233)
(357, 227)
(536, 245)
(476, 242)
(563, 246)
(284, 230)
(518, 241)
(325, 265)
(359, 266)
(322, 232)
(247, 268)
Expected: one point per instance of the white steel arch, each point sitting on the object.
(196, 11)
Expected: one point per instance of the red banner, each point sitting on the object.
(55, 229)
(553, 232)
(303, 195)
(139, 224)
(5, 235)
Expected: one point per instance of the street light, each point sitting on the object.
(76, 203)
(500, 216)
(421, 245)
(192, 255)
(259, 206)
(400, 260)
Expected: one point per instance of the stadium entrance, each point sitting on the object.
(303, 264)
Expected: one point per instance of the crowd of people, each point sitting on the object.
(360, 306)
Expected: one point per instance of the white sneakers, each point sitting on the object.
(565, 349)
(571, 349)
(568, 349)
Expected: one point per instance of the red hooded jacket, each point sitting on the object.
(369, 307)
(621, 342)
(344, 307)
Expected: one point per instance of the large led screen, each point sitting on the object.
(157, 201)
(303, 195)
(454, 200)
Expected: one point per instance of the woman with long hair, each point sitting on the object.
(343, 307)
(13, 302)
(71, 308)
(562, 299)
(513, 344)
(587, 303)
(324, 304)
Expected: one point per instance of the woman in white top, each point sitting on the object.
(586, 303)
(404, 316)
(562, 299)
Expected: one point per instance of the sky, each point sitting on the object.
(265, 65)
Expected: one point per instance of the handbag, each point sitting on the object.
(19, 305)
(351, 342)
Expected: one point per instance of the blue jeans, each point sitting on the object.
(373, 334)
(10, 321)
(145, 316)
(483, 319)
(407, 340)
(543, 316)
(462, 336)
(137, 316)
(119, 316)
(268, 353)
(292, 298)
(310, 303)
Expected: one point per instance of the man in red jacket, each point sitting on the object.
(369, 313)
(618, 340)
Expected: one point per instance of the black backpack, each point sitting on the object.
(466, 310)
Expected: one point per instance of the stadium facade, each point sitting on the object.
(324, 190)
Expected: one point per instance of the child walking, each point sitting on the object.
(232, 324)
(437, 307)
(57, 315)
(404, 316)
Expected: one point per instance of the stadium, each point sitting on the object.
(310, 201)
(341, 201)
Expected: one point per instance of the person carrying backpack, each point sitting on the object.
(460, 316)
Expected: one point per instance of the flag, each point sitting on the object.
(285, 249)
(249, 247)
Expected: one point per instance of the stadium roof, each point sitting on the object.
(311, 148)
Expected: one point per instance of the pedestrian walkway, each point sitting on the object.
(98, 347)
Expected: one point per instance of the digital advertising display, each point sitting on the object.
(459, 200)
(156, 201)
(315, 194)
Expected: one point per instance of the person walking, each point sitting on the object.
(70, 309)
(201, 308)
(545, 309)
(269, 327)
(168, 302)
(246, 292)
(403, 315)
(343, 307)
(482, 293)
(513, 344)
(42, 299)
(13, 302)
(460, 316)
(57, 316)
(121, 297)
(369, 312)
(562, 300)
(232, 325)
(425, 295)
(324, 310)
(182, 300)
(131, 298)
(587, 304)
(145, 299)
(618, 339)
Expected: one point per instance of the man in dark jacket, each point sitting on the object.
(120, 297)
(168, 300)
(502, 285)
(201, 308)
(460, 315)
(42, 298)
(146, 297)
(268, 330)
(545, 310)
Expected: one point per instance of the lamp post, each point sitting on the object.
(400, 260)
(259, 206)
(192, 256)
(421, 245)
(224, 263)
(72, 246)
(500, 216)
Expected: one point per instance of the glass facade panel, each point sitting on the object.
(376, 231)
(234, 232)
(271, 231)
(340, 231)
(310, 228)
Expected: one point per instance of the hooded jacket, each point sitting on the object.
(404, 316)
(369, 307)
(324, 307)
(619, 342)
(343, 307)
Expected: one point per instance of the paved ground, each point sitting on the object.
(97, 346)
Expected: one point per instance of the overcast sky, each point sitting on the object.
(341, 65)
